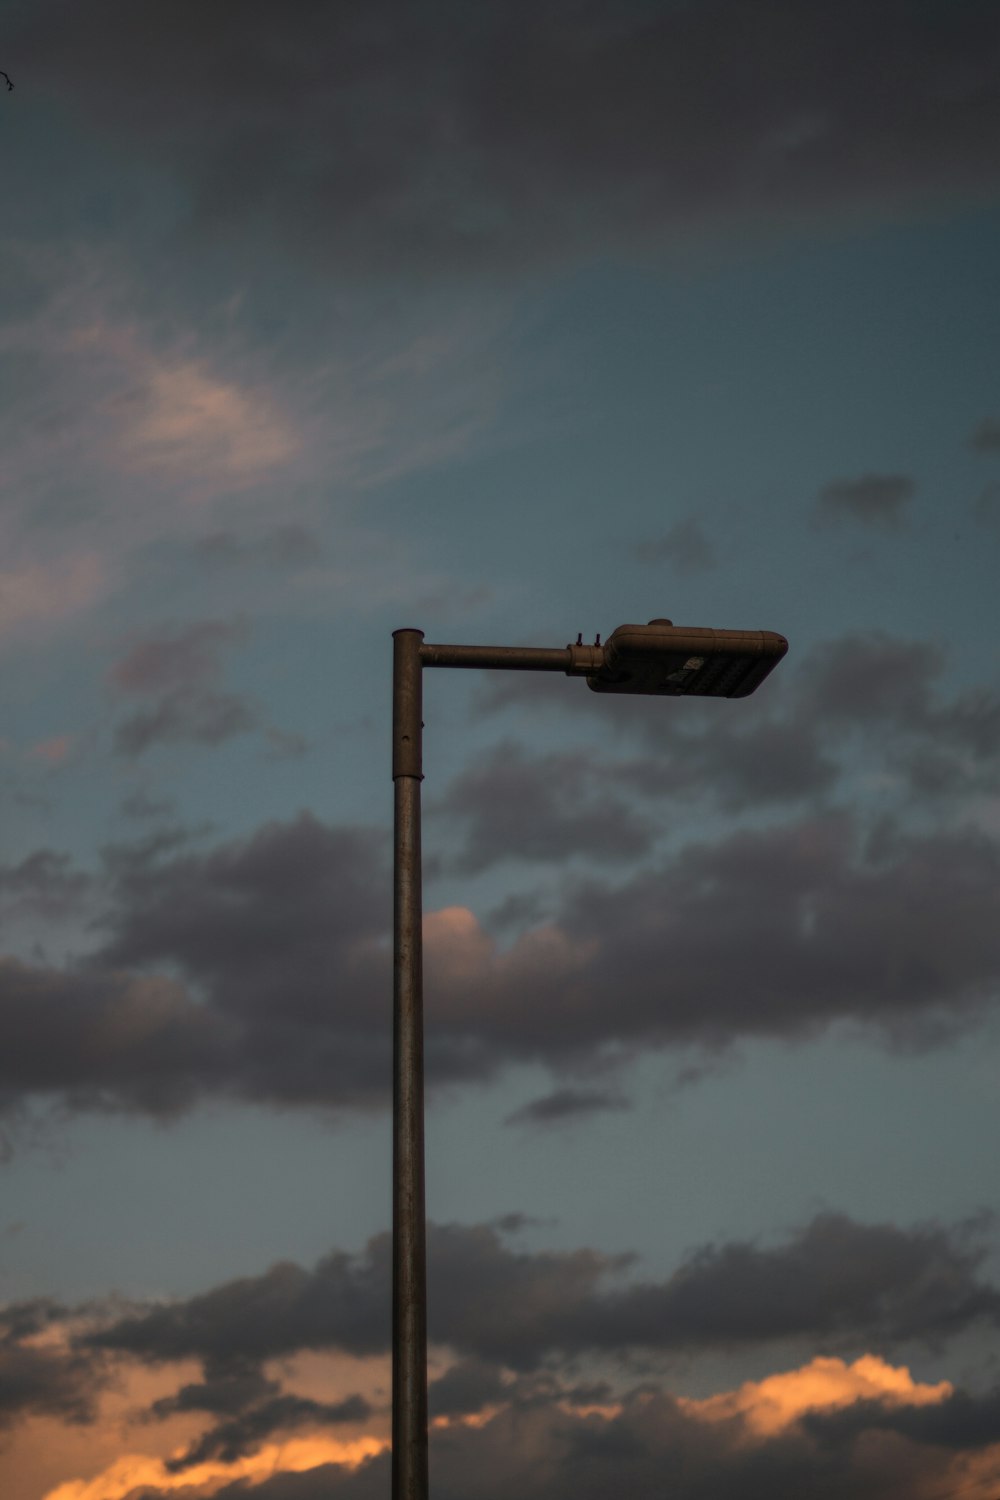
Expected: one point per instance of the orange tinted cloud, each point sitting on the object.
(52, 751)
(775, 1402)
(458, 952)
(123, 1452)
(133, 1471)
(44, 593)
(181, 417)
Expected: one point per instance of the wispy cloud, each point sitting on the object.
(48, 592)
(684, 545)
(178, 674)
(986, 437)
(872, 499)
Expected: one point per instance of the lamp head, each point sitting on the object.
(668, 660)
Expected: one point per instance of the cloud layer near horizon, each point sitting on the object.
(512, 1371)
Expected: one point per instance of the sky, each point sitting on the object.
(507, 322)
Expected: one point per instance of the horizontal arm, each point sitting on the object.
(575, 661)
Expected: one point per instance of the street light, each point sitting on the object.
(658, 659)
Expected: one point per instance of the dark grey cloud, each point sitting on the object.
(873, 499)
(466, 1387)
(101, 1040)
(284, 934)
(566, 1104)
(888, 689)
(986, 437)
(179, 671)
(962, 1421)
(834, 1286)
(544, 807)
(46, 883)
(654, 1445)
(520, 1322)
(229, 1388)
(761, 762)
(178, 659)
(872, 697)
(260, 968)
(285, 1413)
(778, 931)
(684, 545)
(875, 681)
(256, 969)
(200, 717)
(39, 1379)
(372, 136)
(740, 754)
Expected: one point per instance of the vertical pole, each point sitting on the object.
(409, 1257)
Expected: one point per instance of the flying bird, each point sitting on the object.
(7, 76)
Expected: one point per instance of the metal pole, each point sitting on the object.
(409, 1236)
(409, 1254)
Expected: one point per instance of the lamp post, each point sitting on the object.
(658, 659)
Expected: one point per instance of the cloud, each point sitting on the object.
(874, 500)
(566, 1104)
(179, 671)
(875, 681)
(54, 751)
(45, 882)
(987, 506)
(512, 1332)
(824, 1385)
(835, 1284)
(986, 437)
(179, 418)
(465, 1388)
(544, 807)
(44, 593)
(151, 411)
(354, 136)
(181, 659)
(201, 717)
(41, 1373)
(546, 1447)
(246, 1432)
(105, 1041)
(684, 545)
(299, 910)
(140, 804)
(135, 1474)
(958, 1420)
(861, 698)
(291, 545)
(258, 969)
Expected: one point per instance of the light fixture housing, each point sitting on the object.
(666, 660)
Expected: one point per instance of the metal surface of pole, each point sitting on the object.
(409, 1254)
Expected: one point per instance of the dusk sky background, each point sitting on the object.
(507, 322)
